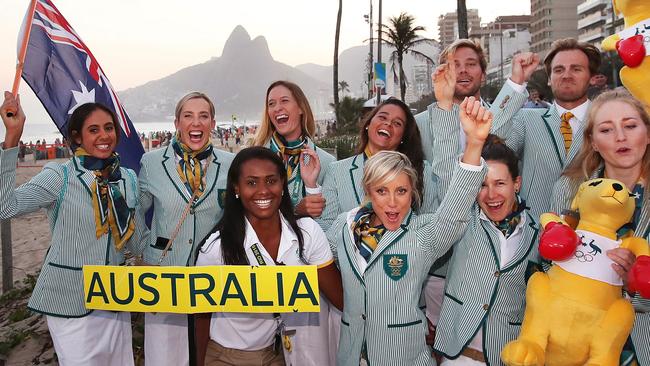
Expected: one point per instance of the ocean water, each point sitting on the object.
(48, 131)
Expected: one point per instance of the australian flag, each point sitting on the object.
(64, 74)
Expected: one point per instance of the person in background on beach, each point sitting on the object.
(77, 194)
(259, 218)
(185, 182)
(288, 128)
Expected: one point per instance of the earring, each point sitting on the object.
(366, 128)
(237, 195)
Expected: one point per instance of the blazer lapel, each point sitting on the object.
(169, 166)
(85, 176)
(527, 242)
(494, 241)
(350, 247)
(356, 176)
(212, 174)
(552, 123)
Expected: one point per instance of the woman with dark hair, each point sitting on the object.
(92, 207)
(288, 128)
(484, 297)
(184, 182)
(259, 227)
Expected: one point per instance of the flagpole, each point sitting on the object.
(23, 52)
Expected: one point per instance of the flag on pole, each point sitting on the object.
(64, 74)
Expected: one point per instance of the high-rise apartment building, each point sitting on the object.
(595, 19)
(448, 26)
(552, 20)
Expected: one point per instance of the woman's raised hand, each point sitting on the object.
(15, 123)
(309, 167)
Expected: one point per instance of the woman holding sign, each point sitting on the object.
(92, 206)
(385, 250)
(262, 229)
(184, 182)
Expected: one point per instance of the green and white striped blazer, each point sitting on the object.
(161, 186)
(479, 294)
(64, 191)
(506, 104)
(563, 192)
(381, 304)
(343, 189)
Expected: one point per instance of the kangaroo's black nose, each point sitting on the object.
(617, 187)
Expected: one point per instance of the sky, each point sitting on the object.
(136, 41)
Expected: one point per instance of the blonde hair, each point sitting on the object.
(384, 167)
(307, 123)
(467, 43)
(193, 95)
(588, 159)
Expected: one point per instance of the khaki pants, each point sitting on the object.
(218, 355)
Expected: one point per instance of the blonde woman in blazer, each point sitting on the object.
(79, 235)
(288, 129)
(615, 141)
(188, 170)
(385, 251)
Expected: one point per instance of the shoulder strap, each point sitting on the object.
(61, 194)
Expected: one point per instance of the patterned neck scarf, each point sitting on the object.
(367, 154)
(508, 225)
(366, 237)
(189, 166)
(111, 210)
(290, 151)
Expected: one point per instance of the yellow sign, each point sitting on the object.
(204, 289)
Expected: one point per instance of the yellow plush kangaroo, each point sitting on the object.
(636, 14)
(572, 318)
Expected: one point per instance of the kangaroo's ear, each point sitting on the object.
(576, 198)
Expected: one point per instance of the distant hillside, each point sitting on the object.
(236, 82)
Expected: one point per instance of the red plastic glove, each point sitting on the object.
(558, 242)
(631, 50)
(638, 279)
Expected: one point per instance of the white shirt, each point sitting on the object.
(590, 259)
(252, 331)
(579, 115)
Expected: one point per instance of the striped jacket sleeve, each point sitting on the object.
(146, 198)
(140, 238)
(448, 224)
(445, 145)
(507, 103)
(330, 193)
(563, 192)
(41, 191)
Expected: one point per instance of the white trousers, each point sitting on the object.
(165, 340)
(461, 361)
(434, 293)
(100, 338)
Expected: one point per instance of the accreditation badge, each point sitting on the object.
(396, 265)
(221, 198)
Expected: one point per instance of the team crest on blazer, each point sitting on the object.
(396, 265)
(221, 197)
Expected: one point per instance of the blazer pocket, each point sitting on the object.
(161, 243)
(402, 325)
(63, 266)
(453, 299)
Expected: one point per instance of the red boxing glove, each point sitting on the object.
(638, 279)
(631, 50)
(558, 242)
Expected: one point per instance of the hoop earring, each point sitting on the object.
(236, 195)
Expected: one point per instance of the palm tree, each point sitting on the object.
(335, 68)
(344, 87)
(461, 12)
(403, 36)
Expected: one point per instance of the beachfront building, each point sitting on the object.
(596, 21)
(551, 20)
